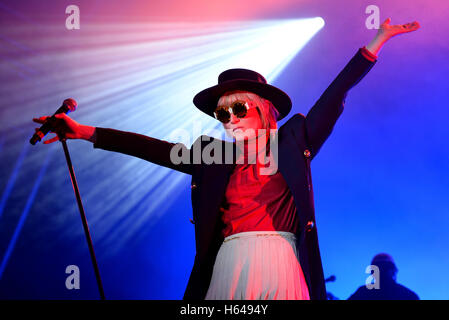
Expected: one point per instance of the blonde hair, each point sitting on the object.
(267, 112)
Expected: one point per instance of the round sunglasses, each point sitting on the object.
(237, 108)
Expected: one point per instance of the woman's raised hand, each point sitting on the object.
(389, 31)
(64, 127)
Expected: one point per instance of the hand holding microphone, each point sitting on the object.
(61, 124)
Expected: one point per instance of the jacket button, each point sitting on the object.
(192, 221)
(310, 225)
(193, 186)
(307, 153)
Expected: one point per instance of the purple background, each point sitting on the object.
(381, 181)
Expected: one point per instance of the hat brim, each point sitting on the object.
(207, 99)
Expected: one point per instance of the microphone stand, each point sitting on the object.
(83, 216)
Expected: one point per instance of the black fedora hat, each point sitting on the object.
(245, 80)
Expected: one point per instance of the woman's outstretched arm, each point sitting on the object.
(137, 145)
(157, 151)
(322, 117)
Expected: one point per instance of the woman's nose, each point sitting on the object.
(234, 119)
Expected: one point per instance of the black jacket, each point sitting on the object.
(299, 140)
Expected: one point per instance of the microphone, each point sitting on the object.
(332, 278)
(69, 105)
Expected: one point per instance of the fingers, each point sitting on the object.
(387, 21)
(56, 138)
(414, 25)
(408, 27)
(44, 118)
(57, 121)
(40, 119)
(51, 140)
(60, 115)
(56, 127)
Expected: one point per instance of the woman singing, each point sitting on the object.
(255, 229)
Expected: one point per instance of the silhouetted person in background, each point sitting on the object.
(329, 295)
(388, 289)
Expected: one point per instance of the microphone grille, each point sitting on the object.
(71, 104)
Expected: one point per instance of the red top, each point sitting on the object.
(255, 202)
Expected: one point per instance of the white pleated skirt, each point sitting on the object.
(258, 265)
